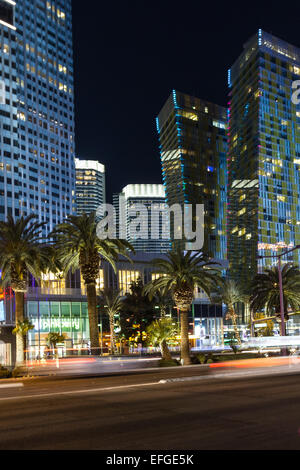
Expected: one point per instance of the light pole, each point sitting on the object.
(280, 283)
(101, 331)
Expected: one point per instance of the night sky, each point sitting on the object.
(129, 55)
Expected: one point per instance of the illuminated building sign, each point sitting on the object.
(274, 247)
(64, 324)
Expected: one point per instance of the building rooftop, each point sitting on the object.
(144, 190)
(89, 165)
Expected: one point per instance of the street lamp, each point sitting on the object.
(280, 283)
(101, 330)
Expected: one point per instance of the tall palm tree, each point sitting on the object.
(159, 332)
(181, 272)
(113, 305)
(265, 290)
(230, 293)
(79, 246)
(22, 251)
(21, 330)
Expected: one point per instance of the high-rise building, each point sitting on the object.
(140, 200)
(264, 155)
(90, 186)
(37, 170)
(9, 139)
(193, 145)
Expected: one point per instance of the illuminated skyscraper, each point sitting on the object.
(37, 171)
(9, 143)
(152, 235)
(264, 155)
(90, 186)
(193, 145)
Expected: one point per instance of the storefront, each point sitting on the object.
(66, 318)
(208, 325)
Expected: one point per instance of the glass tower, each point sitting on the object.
(37, 170)
(193, 145)
(9, 137)
(264, 155)
(145, 204)
(90, 186)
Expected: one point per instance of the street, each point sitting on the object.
(144, 411)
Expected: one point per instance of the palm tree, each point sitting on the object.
(21, 252)
(159, 332)
(53, 339)
(181, 273)
(138, 312)
(164, 301)
(113, 305)
(265, 290)
(21, 331)
(79, 246)
(230, 293)
(265, 330)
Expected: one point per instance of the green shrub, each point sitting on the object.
(18, 372)
(4, 373)
(173, 363)
(195, 360)
(201, 358)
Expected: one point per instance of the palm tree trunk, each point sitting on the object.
(163, 311)
(19, 302)
(185, 345)
(93, 318)
(165, 352)
(236, 331)
(112, 333)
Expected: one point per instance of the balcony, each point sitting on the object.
(46, 292)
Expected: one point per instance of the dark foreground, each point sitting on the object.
(109, 413)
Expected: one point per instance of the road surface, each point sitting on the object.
(147, 411)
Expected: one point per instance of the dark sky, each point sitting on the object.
(129, 55)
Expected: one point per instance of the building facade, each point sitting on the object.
(264, 155)
(37, 169)
(10, 183)
(60, 305)
(193, 146)
(151, 233)
(90, 186)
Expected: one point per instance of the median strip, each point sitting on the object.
(11, 385)
(231, 375)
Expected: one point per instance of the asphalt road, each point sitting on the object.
(138, 412)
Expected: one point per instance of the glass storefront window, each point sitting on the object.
(76, 308)
(208, 332)
(55, 310)
(84, 309)
(68, 318)
(65, 309)
(32, 308)
(44, 308)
